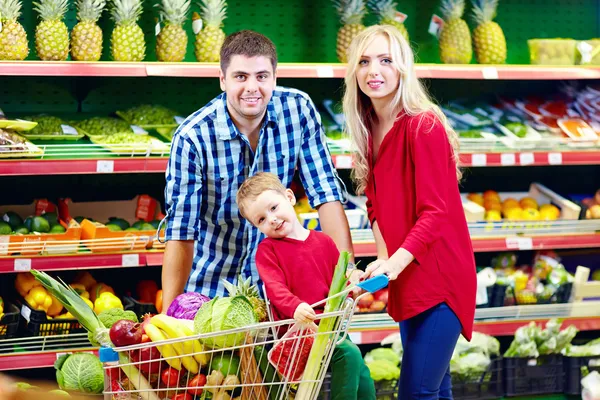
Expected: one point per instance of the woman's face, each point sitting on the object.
(376, 75)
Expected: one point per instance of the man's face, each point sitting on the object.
(249, 83)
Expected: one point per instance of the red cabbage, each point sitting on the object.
(186, 305)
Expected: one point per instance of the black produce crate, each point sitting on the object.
(488, 385)
(9, 324)
(139, 308)
(36, 323)
(531, 376)
(572, 368)
(385, 390)
(496, 294)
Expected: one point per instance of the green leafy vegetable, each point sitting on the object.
(81, 372)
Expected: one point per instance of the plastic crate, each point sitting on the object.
(138, 307)
(561, 296)
(487, 386)
(572, 368)
(531, 376)
(36, 323)
(552, 51)
(9, 324)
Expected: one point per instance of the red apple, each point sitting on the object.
(365, 301)
(382, 295)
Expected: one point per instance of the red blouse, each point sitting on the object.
(413, 195)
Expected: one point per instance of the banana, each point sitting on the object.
(199, 354)
(185, 349)
(166, 350)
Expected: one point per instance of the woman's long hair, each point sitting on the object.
(411, 97)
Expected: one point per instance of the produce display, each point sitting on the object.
(388, 15)
(531, 341)
(86, 37)
(50, 127)
(210, 38)
(13, 39)
(513, 209)
(351, 14)
(455, 37)
(127, 42)
(148, 116)
(171, 41)
(104, 126)
(488, 37)
(51, 34)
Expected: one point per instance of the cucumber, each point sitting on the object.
(268, 372)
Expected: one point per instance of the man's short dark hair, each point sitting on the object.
(247, 43)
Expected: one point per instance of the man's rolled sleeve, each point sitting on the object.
(317, 172)
(183, 190)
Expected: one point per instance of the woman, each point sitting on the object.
(407, 165)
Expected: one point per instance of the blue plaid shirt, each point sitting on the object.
(209, 161)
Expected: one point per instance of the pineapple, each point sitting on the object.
(245, 288)
(351, 14)
(386, 12)
(127, 41)
(455, 38)
(488, 38)
(86, 38)
(52, 35)
(210, 39)
(13, 39)
(171, 42)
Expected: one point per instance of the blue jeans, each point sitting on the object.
(428, 340)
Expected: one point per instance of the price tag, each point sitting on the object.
(489, 73)
(343, 162)
(157, 29)
(532, 362)
(69, 130)
(478, 160)
(435, 26)
(526, 158)
(481, 296)
(22, 264)
(4, 241)
(105, 166)
(594, 362)
(130, 260)
(138, 130)
(197, 25)
(555, 158)
(400, 17)
(0, 26)
(179, 120)
(507, 159)
(325, 71)
(519, 243)
(355, 337)
(26, 312)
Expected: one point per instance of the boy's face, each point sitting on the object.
(273, 213)
(249, 83)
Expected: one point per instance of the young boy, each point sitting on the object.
(296, 265)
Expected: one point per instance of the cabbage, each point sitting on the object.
(81, 372)
(383, 370)
(221, 314)
(186, 305)
(382, 353)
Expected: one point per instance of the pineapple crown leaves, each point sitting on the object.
(175, 12)
(244, 287)
(125, 12)
(452, 9)
(383, 8)
(10, 10)
(51, 10)
(484, 10)
(213, 12)
(350, 11)
(89, 10)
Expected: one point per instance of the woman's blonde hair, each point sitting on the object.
(411, 97)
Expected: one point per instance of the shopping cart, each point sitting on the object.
(258, 366)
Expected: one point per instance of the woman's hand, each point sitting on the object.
(381, 267)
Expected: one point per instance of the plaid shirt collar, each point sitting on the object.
(224, 126)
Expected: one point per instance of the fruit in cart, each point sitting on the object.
(107, 301)
(171, 42)
(290, 356)
(13, 39)
(455, 37)
(187, 327)
(488, 37)
(244, 287)
(125, 333)
(209, 40)
(25, 282)
(86, 37)
(227, 364)
(39, 299)
(170, 377)
(145, 355)
(127, 41)
(13, 219)
(170, 326)
(351, 13)
(5, 228)
(81, 372)
(196, 384)
(113, 315)
(166, 350)
(51, 34)
(385, 10)
(186, 305)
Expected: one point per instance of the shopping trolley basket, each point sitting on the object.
(256, 367)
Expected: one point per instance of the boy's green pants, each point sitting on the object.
(350, 377)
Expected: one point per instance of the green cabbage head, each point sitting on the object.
(80, 372)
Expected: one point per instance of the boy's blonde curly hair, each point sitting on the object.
(254, 186)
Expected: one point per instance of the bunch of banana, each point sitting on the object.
(188, 353)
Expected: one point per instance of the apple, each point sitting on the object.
(377, 305)
(382, 295)
(365, 301)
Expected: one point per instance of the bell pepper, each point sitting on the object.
(158, 303)
(39, 299)
(146, 291)
(55, 308)
(66, 315)
(80, 288)
(86, 279)
(25, 282)
(98, 289)
(1, 308)
(88, 302)
(107, 301)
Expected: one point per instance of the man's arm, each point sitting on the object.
(335, 225)
(177, 265)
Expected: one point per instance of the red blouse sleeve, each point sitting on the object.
(370, 211)
(272, 275)
(431, 153)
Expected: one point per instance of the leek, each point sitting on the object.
(324, 333)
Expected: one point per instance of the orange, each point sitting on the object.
(492, 205)
(528, 202)
(531, 214)
(549, 212)
(491, 194)
(510, 203)
(476, 198)
(514, 214)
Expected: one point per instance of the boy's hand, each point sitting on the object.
(304, 314)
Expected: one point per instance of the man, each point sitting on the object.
(253, 126)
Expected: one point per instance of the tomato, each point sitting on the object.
(170, 377)
(196, 383)
(158, 302)
(182, 396)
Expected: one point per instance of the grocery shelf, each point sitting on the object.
(289, 70)
(534, 158)
(71, 262)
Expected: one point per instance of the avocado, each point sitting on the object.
(28, 222)
(155, 223)
(57, 229)
(147, 227)
(119, 222)
(13, 219)
(138, 224)
(40, 224)
(22, 230)
(113, 228)
(51, 217)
